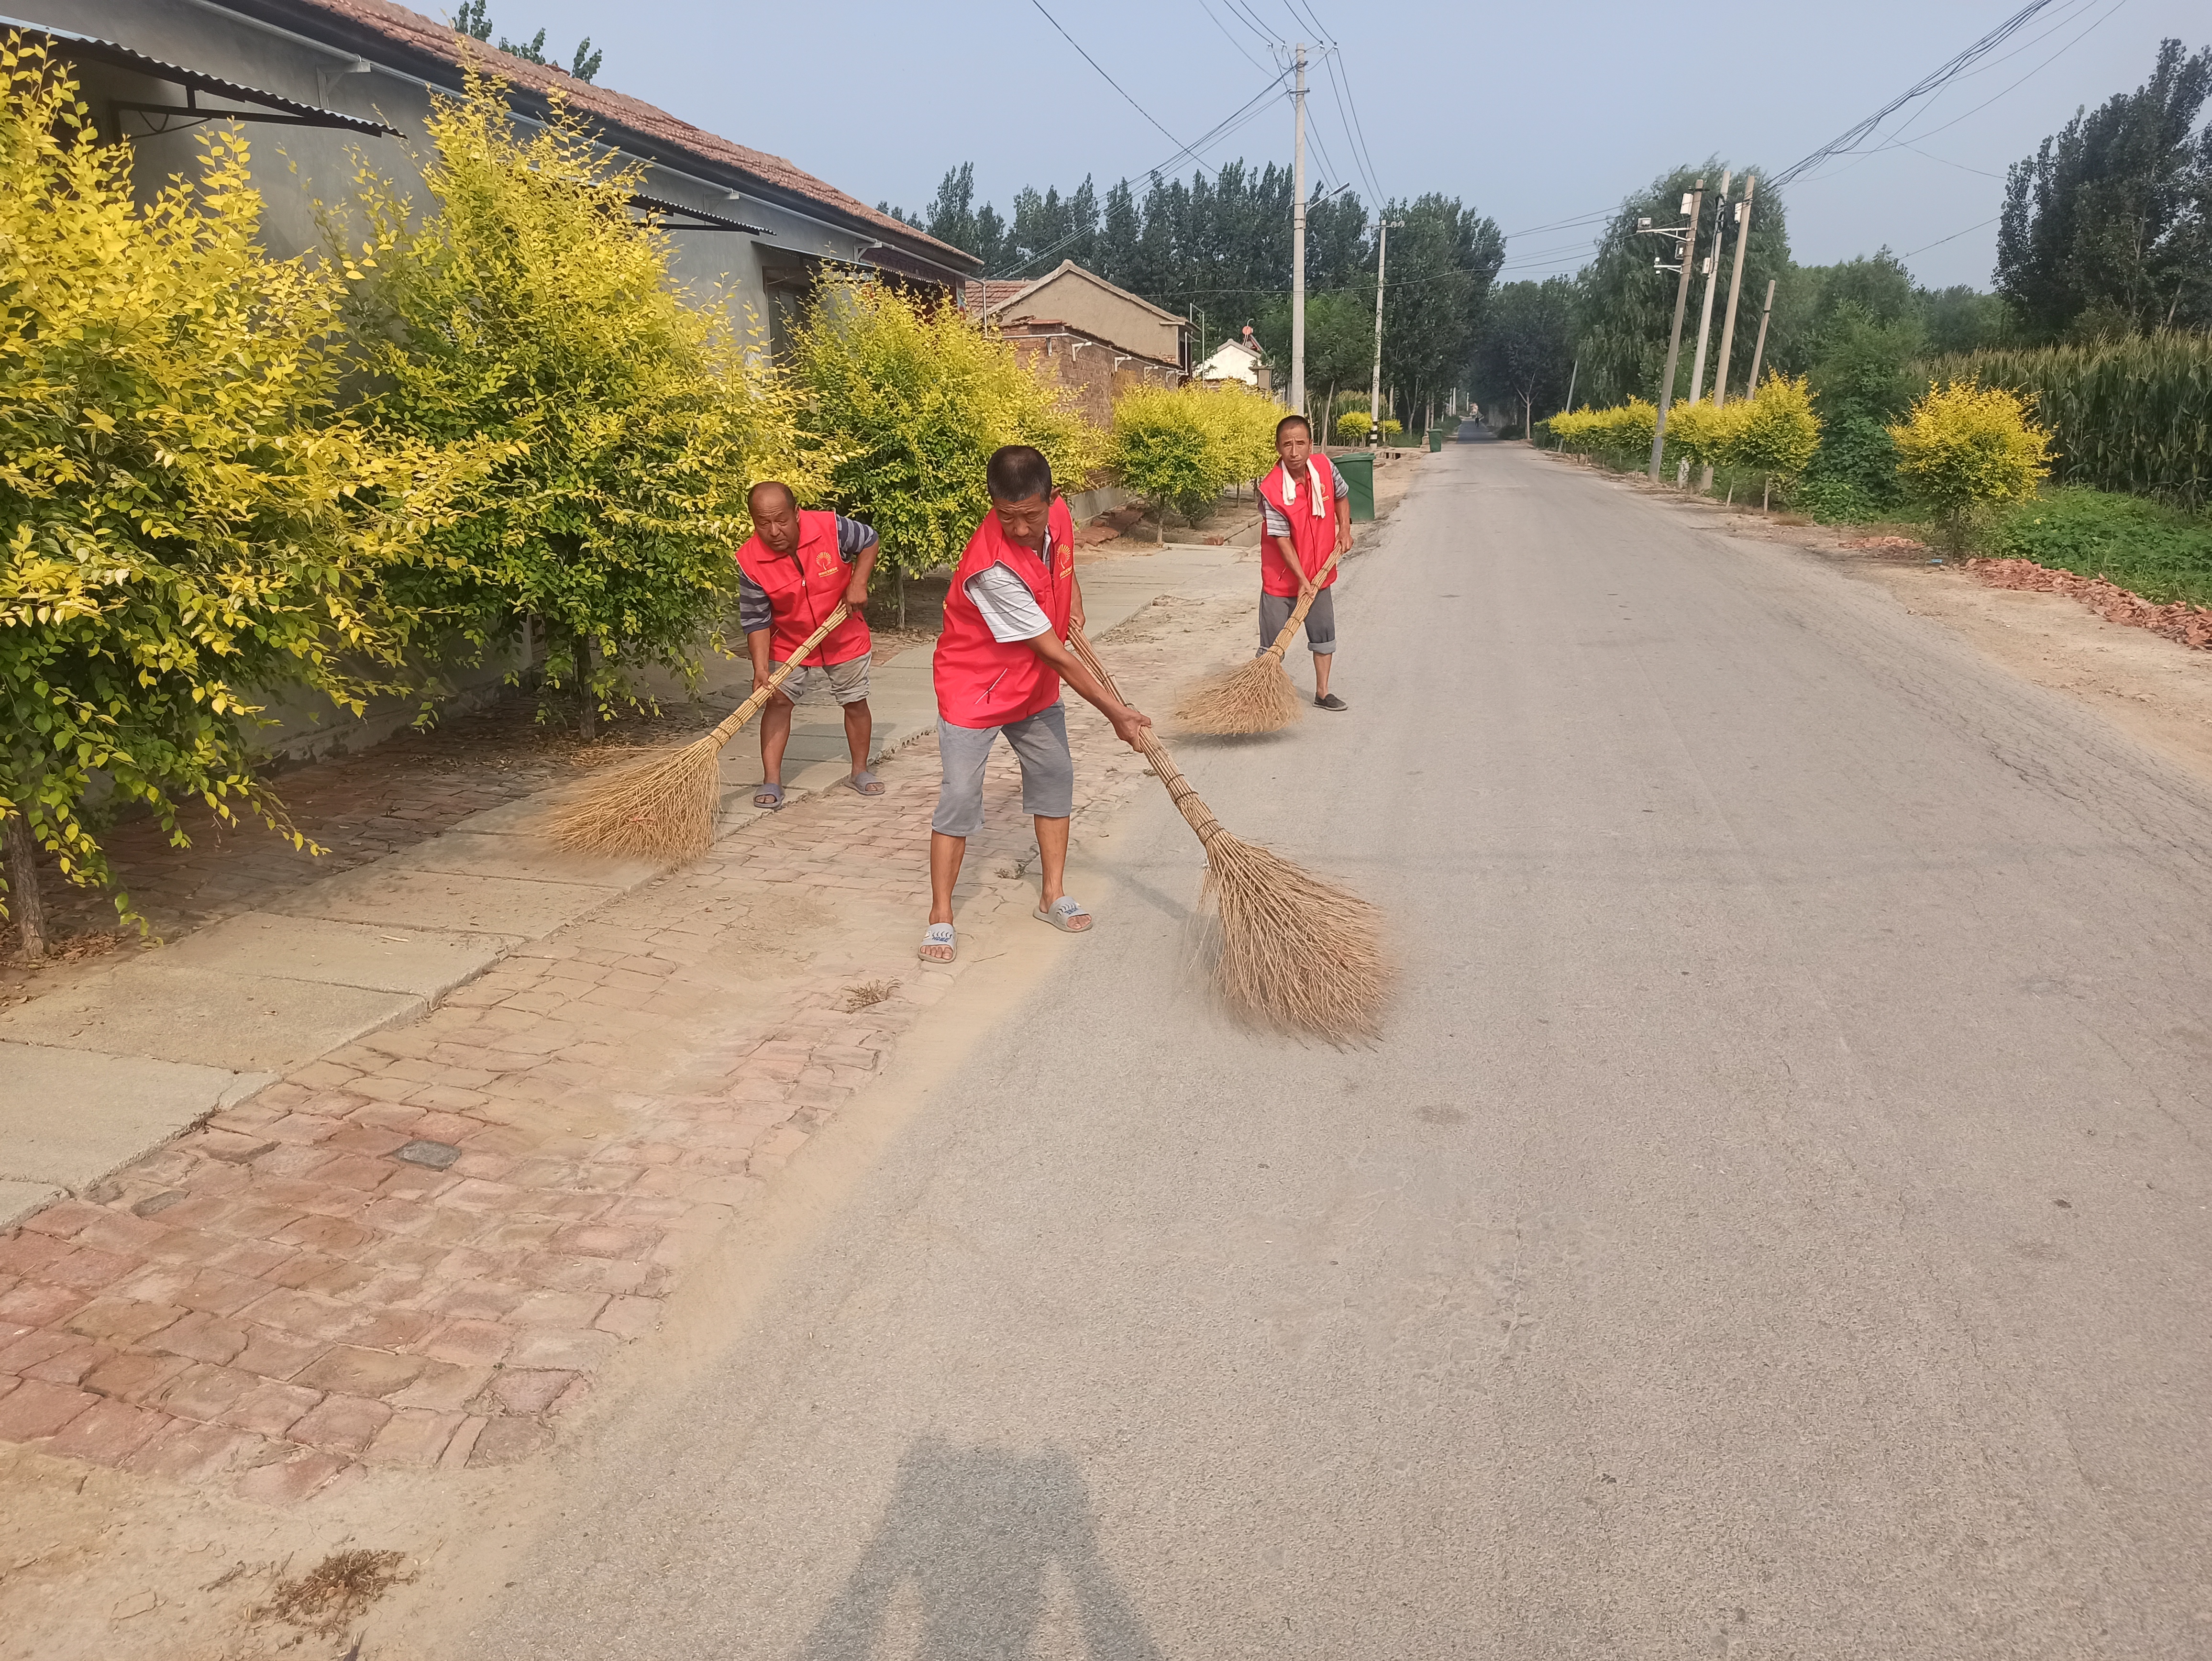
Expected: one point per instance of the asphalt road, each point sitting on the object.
(1774, 1223)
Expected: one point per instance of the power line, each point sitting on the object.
(2094, 24)
(1953, 237)
(1230, 38)
(1933, 81)
(1109, 79)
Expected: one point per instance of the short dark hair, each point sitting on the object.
(1290, 420)
(789, 495)
(1017, 472)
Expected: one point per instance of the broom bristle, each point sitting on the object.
(1296, 952)
(1256, 697)
(662, 809)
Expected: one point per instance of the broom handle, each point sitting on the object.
(1195, 812)
(745, 711)
(1298, 612)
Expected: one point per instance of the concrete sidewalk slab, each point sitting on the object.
(69, 1118)
(132, 1056)
(21, 1200)
(420, 961)
(388, 894)
(519, 855)
(238, 1022)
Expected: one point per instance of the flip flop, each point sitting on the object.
(865, 783)
(1062, 913)
(770, 796)
(938, 936)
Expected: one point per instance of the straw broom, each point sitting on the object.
(1256, 697)
(1296, 952)
(666, 808)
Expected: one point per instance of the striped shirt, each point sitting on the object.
(755, 613)
(1280, 527)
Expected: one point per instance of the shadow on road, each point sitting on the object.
(976, 1531)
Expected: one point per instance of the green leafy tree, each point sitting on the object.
(1963, 450)
(902, 404)
(533, 309)
(1524, 354)
(2104, 226)
(187, 521)
(1441, 265)
(1339, 341)
(1626, 308)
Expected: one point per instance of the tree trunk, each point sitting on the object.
(899, 578)
(587, 706)
(1766, 496)
(23, 885)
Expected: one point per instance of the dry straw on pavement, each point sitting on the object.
(1295, 952)
(666, 808)
(1255, 697)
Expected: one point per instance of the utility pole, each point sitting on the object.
(1712, 282)
(1736, 289)
(1383, 227)
(1298, 244)
(1759, 350)
(1693, 203)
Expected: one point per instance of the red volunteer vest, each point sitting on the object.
(804, 588)
(1314, 538)
(984, 682)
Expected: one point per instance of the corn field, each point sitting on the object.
(2132, 416)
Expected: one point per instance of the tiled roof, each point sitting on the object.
(426, 37)
(985, 292)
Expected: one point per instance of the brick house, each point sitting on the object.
(1095, 340)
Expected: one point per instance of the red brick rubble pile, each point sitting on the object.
(2190, 624)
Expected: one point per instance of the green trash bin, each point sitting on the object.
(1358, 467)
(1436, 440)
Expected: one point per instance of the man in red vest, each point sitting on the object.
(1305, 514)
(998, 665)
(791, 572)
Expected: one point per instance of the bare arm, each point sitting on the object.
(864, 567)
(1125, 718)
(1343, 524)
(756, 645)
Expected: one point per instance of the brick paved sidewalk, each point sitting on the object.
(416, 1252)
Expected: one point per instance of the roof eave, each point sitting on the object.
(443, 72)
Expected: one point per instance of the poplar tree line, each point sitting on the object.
(1220, 246)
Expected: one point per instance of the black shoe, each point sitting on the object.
(1332, 701)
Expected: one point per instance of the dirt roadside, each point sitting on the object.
(2157, 690)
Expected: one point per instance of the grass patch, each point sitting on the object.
(2157, 552)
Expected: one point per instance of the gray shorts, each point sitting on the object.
(847, 682)
(1320, 622)
(1048, 769)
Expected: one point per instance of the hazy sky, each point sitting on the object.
(1532, 114)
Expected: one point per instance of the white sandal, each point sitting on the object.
(1062, 913)
(938, 936)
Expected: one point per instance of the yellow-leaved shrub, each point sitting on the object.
(1964, 449)
(188, 523)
